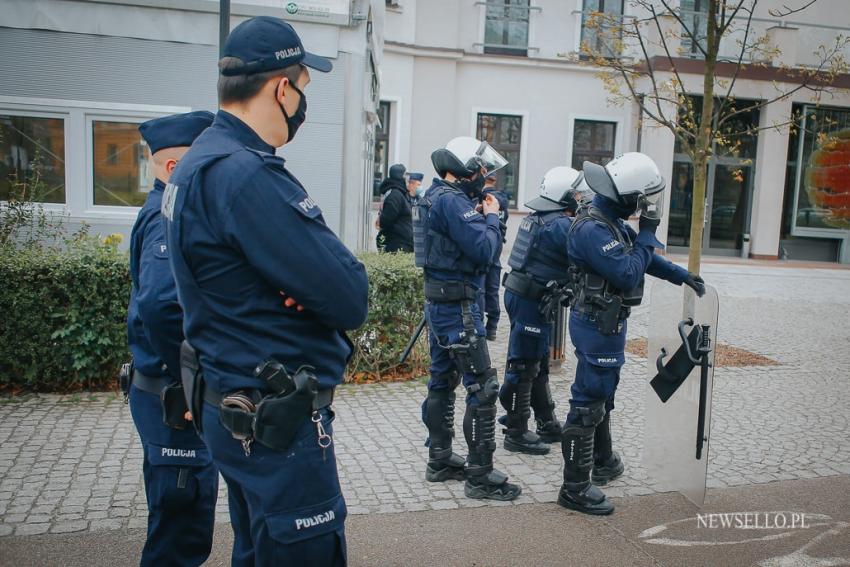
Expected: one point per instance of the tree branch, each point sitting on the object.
(788, 11)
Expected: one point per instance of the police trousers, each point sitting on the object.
(599, 360)
(529, 337)
(445, 327)
(286, 507)
(181, 485)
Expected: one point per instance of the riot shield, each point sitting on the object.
(680, 373)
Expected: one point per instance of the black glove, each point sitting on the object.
(648, 223)
(696, 283)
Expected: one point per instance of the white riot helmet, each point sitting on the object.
(562, 188)
(627, 180)
(465, 156)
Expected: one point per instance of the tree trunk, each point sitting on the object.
(702, 146)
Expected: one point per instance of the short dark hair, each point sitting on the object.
(239, 88)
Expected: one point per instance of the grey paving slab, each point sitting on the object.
(74, 463)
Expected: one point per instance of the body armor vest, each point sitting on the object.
(432, 249)
(529, 257)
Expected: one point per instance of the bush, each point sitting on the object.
(64, 315)
(395, 309)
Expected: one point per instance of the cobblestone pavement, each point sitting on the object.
(74, 463)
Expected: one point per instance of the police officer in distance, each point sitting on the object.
(243, 231)
(181, 482)
(396, 234)
(456, 237)
(493, 278)
(538, 257)
(611, 260)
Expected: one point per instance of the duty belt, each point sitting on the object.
(590, 310)
(524, 285)
(324, 397)
(150, 384)
(449, 291)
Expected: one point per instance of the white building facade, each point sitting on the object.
(509, 71)
(79, 76)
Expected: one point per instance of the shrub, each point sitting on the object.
(395, 309)
(64, 315)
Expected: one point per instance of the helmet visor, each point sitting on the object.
(488, 158)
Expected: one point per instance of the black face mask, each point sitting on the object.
(471, 187)
(296, 120)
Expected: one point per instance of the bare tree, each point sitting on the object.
(642, 61)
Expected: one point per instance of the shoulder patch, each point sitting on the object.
(160, 249)
(304, 204)
(611, 245)
(470, 214)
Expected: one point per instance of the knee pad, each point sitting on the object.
(526, 369)
(486, 390)
(590, 415)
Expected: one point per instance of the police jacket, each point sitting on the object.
(154, 317)
(396, 221)
(593, 247)
(502, 198)
(461, 243)
(540, 248)
(241, 231)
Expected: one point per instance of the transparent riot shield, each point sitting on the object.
(680, 373)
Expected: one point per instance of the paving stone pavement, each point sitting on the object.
(72, 463)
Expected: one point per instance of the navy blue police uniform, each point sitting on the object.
(493, 277)
(181, 482)
(242, 231)
(539, 256)
(602, 244)
(456, 244)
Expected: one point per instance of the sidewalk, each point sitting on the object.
(74, 464)
(661, 529)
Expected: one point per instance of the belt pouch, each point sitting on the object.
(279, 417)
(174, 406)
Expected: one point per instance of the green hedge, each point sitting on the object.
(63, 324)
(395, 309)
(63, 317)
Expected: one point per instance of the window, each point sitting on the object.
(599, 40)
(32, 158)
(504, 133)
(593, 141)
(120, 170)
(506, 27)
(823, 174)
(695, 15)
(382, 148)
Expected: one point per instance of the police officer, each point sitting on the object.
(181, 483)
(493, 277)
(243, 234)
(414, 186)
(611, 260)
(538, 257)
(457, 236)
(396, 234)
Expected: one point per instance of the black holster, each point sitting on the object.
(279, 417)
(193, 384)
(174, 406)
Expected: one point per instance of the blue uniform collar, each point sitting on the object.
(241, 131)
(158, 185)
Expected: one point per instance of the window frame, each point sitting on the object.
(523, 146)
(619, 128)
(582, 13)
(12, 110)
(79, 175)
(505, 49)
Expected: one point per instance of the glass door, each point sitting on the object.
(729, 201)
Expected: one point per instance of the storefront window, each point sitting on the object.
(504, 133)
(32, 158)
(593, 141)
(823, 176)
(121, 173)
(506, 27)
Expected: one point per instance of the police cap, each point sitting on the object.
(416, 176)
(175, 130)
(266, 43)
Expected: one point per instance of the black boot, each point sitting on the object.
(577, 492)
(548, 426)
(443, 464)
(479, 428)
(607, 464)
(516, 399)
